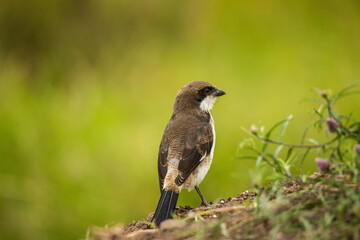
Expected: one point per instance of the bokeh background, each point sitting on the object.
(87, 87)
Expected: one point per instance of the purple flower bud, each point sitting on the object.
(322, 164)
(332, 124)
(253, 129)
(323, 94)
(357, 149)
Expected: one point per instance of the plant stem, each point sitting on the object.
(266, 160)
(297, 145)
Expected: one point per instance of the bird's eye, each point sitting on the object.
(207, 90)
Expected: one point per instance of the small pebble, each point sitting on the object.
(214, 216)
(222, 201)
(246, 191)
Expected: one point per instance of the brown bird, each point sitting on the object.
(187, 146)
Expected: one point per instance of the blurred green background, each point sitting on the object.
(87, 87)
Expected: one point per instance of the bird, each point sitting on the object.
(187, 146)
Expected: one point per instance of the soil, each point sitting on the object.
(236, 215)
(232, 209)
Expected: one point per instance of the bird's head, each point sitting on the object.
(197, 95)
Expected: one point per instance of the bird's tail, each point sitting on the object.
(166, 206)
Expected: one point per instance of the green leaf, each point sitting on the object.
(356, 124)
(350, 93)
(286, 123)
(305, 132)
(278, 150)
(316, 90)
(277, 162)
(289, 153)
(319, 111)
(313, 99)
(258, 161)
(314, 141)
(348, 118)
(350, 86)
(267, 135)
(295, 157)
(344, 92)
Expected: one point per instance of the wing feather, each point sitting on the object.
(193, 154)
(188, 142)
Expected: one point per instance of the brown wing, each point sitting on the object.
(189, 140)
(195, 149)
(162, 160)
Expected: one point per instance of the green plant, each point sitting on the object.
(343, 133)
(325, 205)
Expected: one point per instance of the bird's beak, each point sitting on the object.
(219, 92)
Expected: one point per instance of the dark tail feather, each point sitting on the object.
(166, 206)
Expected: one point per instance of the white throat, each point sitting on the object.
(207, 103)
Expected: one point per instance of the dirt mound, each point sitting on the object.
(324, 207)
(189, 221)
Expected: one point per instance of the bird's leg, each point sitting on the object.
(203, 201)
